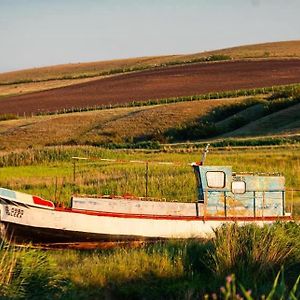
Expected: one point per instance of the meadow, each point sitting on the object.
(258, 263)
(213, 269)
(49, 172)
(176, 269)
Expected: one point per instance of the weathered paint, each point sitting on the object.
(25, 199)
(134, 206)
(263, 195)
(66, 225)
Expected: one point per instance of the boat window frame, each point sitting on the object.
(238, 181)
(216, 187)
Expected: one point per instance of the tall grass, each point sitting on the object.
(49, 172)
(253, 250)
(27, 274)
(192, 269)
(4, 117)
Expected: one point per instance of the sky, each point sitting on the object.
(36, 33)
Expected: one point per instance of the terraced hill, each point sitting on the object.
(194, 121)
(82, 85)
(172, 77)
(289, 49)
(186, 80)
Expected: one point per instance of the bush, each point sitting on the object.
(218, 57)
(5, 117)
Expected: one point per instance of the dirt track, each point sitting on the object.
(161, 83)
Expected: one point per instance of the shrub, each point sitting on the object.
(5, 117)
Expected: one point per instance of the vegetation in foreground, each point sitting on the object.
(248, 262)
(173, 270)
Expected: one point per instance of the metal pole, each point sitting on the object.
(283, 202)
(263, 206)
(225, 204)
(254, 204)
(74, 170)
(205, 151)
(55, 193)
(146, 178)
(292, 205)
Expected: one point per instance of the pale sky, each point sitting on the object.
(37, 33)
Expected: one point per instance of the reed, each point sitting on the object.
(27, 274)
(256, 251)
(192, 269)
(177, 269)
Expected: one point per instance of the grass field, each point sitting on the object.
(49, 172)
(172, 270)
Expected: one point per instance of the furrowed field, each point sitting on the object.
(264, 261)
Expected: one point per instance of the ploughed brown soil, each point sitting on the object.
(176, 81)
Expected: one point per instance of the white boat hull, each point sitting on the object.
(36, 225)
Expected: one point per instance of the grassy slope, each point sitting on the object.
(271, 50)
(127, 125)
(113, 125)
(286, 121)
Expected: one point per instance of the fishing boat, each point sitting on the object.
(223, 196)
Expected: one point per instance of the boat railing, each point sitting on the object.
(252, 202)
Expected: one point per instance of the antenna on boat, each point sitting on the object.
(205, 151)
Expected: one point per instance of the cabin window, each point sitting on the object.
(215, 179)
(238, 187)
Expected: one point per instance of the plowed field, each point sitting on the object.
(160, 83)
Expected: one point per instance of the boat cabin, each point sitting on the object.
(222, 192)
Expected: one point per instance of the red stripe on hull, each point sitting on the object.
(184, 218)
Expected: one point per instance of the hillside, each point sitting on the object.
(177, 81)
(119, 109)
(45, 78)
(274, 114)
(286, 121)
(73, 70)
(113, 125)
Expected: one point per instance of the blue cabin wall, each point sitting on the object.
(263, 195)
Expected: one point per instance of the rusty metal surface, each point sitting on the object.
(264, 195)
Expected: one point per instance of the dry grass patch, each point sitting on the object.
(24, 88)
(114, 125)
(285, 121)
(43, 130)
(152, 122)
(75, 69)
